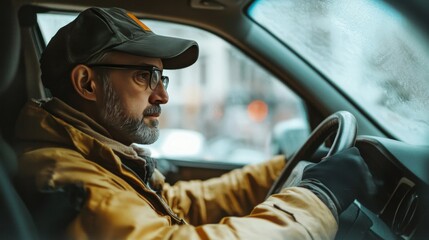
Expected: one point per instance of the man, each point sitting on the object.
(104, 70)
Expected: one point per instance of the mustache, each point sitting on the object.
(152, 110)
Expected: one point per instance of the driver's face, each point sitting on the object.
(128, 108)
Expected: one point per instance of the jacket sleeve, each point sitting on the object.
(233, 194)
(295, 213)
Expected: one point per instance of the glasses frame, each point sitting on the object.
(152, 83)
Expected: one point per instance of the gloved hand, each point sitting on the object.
(339, 179)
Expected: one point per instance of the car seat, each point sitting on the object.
(15, 220)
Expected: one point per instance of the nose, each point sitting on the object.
(159, 95)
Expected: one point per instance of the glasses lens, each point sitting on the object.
(156, 76)
(165, 80)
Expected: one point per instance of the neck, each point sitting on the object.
(89, 108)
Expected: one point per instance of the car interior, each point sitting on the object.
(400, 207)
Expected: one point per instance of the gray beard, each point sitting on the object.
(132, 129)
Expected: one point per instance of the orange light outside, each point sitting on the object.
(257, 110)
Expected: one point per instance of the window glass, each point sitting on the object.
(222, 108)
(367, 48)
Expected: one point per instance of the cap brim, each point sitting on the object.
(175, 53)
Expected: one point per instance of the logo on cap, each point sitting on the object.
(136, 20)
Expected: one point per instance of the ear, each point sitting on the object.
(83, 81)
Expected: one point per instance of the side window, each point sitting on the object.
(224, 108)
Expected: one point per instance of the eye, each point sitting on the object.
(142, 76)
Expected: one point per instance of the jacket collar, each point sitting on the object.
(74, 119)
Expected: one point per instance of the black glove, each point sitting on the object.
(342, 178)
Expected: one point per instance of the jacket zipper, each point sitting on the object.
(163, 203)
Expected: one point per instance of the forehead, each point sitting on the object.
(125, 58)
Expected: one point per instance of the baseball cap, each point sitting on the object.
(97, 30)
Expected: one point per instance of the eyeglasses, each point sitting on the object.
(150, 74)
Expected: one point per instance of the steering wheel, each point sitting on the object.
(343, 122)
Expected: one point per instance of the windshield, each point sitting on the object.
(372, 52)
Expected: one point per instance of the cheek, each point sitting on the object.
(133, 100)
(135, 105)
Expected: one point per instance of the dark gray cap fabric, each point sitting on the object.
(97, 30)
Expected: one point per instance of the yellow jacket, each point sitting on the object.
(60, 146)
